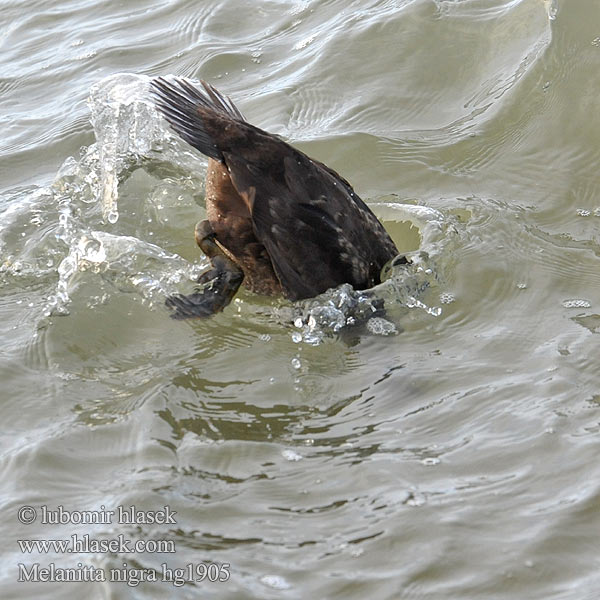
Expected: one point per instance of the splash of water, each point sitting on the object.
(125, 262)
(84, 201)
(56, 231)
(405, 285)
(126, 129)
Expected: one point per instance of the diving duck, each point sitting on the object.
(278, 221)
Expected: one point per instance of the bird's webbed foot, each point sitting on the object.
(219, 284)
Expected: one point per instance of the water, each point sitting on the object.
(445, 449)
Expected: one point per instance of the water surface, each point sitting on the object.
(447, 451)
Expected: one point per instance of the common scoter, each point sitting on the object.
(279, 221)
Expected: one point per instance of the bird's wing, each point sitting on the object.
(317, 231)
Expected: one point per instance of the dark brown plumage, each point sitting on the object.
(291, 224)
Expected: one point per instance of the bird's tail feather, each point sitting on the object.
(182, 103)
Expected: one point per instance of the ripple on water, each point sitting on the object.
(452, 140)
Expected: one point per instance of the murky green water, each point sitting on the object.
(449, 451)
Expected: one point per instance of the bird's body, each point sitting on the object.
(292, 225)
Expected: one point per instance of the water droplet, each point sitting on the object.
(380, 326)
(296, 337)
(298, 323)
(92, 250)
(113, 216)
(291, 455)
(430, 461)
(296, 363)
(576, 303)
(305, 42)
(447, 298)
(276, 582)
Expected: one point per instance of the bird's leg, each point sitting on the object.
(205, 238)
(219, 283)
